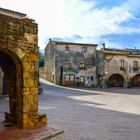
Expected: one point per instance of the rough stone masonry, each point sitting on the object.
(19, 62)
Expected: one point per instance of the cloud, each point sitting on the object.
(108, 3)
(96, 21)
(68, 39)
(82, 20)
(117, 20)
(124, 40)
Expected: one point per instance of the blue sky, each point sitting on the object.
(115, 22)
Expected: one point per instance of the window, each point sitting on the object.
(69, 77)
(67, 49)
(67, 57)
(82, 66)
(122, 63)
(84, 49)
(129, 68)
(69, 66)
(81, 79)
(135, 64)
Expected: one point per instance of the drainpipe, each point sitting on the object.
(61, 74)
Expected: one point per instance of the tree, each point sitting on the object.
(41, 59)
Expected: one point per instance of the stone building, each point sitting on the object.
(118, 67)
(70, 64)
(19, 63)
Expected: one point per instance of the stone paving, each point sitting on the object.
(112, 114)
(9, 131)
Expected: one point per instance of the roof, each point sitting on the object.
(71, 43)
(121, 50)
(128, 52)
(11, 13)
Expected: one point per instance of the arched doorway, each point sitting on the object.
(136, 80)
(116, 80)
(13, 71)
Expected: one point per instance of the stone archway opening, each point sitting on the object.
(136, 80)
(12, 69)
(3, 83)
(116, 80)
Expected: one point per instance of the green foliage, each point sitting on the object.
(41, 59)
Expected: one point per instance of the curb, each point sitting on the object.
(50, 135)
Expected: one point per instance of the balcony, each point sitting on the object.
(136, 69)
(122, 69)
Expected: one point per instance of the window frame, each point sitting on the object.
(84, 49)
(135, 64)
(82, 66)
(122, 63)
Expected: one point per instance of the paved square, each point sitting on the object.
(112, 114)
(89, 114)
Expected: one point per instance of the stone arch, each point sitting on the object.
(116, 80)
(136, 80)
(13, 71)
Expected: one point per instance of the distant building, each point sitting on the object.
(118, 67)
(70, 64)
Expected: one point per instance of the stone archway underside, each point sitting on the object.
(136, 80)
(116, 80)
(12, 74)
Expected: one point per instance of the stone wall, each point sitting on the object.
(49, 63)
(19, 43)
(57, 57)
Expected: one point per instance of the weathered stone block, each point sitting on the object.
(30, 38)
(26, 66)
(30, 83)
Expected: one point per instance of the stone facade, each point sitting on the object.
(70, 64)
(19, 62)
(116, 67)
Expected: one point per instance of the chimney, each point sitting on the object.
(103, 45)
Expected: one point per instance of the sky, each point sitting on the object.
(113, 22)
